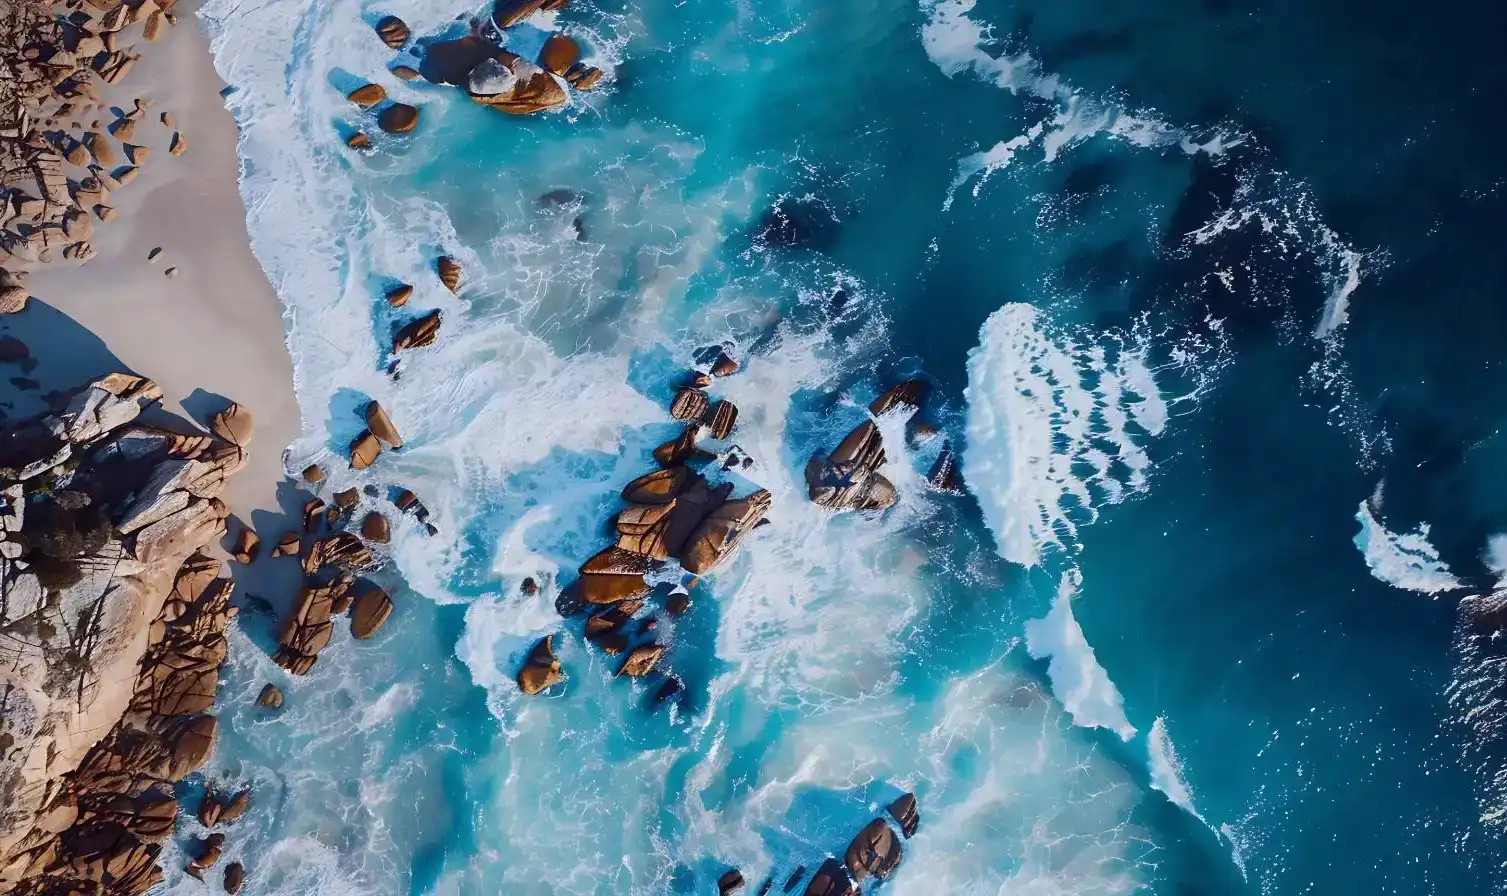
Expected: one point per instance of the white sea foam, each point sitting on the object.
(1078, 681)
(1167, 774)
(1404, 560)
(1057, 429)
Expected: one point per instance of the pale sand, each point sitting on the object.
(217, 326)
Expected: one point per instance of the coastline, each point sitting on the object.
(217, 326)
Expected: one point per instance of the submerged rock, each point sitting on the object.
(270, 697)
(398, 118)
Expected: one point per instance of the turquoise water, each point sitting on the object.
(1185, 306)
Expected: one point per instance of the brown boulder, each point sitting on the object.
(381, 425)
(559, 54)
(358, 140)
(367, 95)
(398, 118)
(724, 417)
(642, 660)
(233, 424)
(721, 533)
(235, 807)
(364, 450)
(208, 852)
(682, 448)
(449, 272)
(398, 296)
(371, 610)
(909, 394)
(905, 812)
(374, 528)
(270, 697)
(832, 879)
(235, 878)
(507, 13)
(730, 883)
(347, 499)
(417, 333)
(689, 404)
(246, 547)
(523, 89)
(875, 851)
(724, 365)
(404, 72)
(542, 668)
(393, 31)
(191, 744)
(313, 474)
(583, 77)
(658, 487)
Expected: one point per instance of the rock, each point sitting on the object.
(313, 474)
(347, 499)
(313, 515)
(125, 175)
(507, 13)
(167, 120)
(906, 814)
(233, 424)
(718, 536)
(559, 54)
(374, 528)
(13, 299)
(794, 879)
(358, 140)
(944, 475)
(541, 670)
(723, 417)
(689, 404)
(730, 882)
(724, 365)
(381, 425)
(583, 77)
(123, 129)
(678, 603)
(393, 31)
(209, 810)
(177, 145)
(154, 253)
(521, 88)
(236, 807)
(404, 72)
(528, 586)
(613, 576)
(99, 146)
(367, 95)
(170, 273)
(848, 479)
(371, 609)
(669, 689)
(288, 545)
(104, 212)
(909, 394)
(235, 877)
(247, 546)
(449, 271)
(831, 879)
(77, 154)
(398, 118)
(208, 851)
(642, 529)
(658, 487)
(642, 660)
(875, 851)
(417, 333)
(364, 450)
(270, 697)
(682, 448)
(398, 296)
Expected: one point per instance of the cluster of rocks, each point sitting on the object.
(875, 852)
(478, 63)
(114, 635)
(849, 479)
(416, 332)
(62, 149)
(673, 514)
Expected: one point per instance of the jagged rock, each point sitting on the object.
(235, 878)
(398, 118)
(247, 546)
(449, 272)
(832, 879)
(875, 851)
(848, 479)
(106, 404)
(381, 425)
(515, 86)
(909, 394)
(582, 76)
(288, 545)
(722, 532)
(270, 697)
(233, 424)
(313, 474)
(358, 140)
(375, 528)
(393, 31)
(906, 814)
(730, 882)
(559, 54)
(507, 13)
(689, 404)
(417, 333)
(367, 95)
(370, 611)
(724, 416)
(642, 660)
(398, 296)
(542, 668)
(364, 450)
(77, 154)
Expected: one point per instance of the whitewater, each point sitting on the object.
(939, 647)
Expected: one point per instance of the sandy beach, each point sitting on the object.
(215, 328)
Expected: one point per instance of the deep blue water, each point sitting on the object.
(1259, 242)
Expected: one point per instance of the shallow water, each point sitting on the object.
(1191, 282)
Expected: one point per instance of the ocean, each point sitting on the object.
(1206, 295)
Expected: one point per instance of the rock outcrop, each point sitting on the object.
(114, 635)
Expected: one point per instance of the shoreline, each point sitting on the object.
(215, 330)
